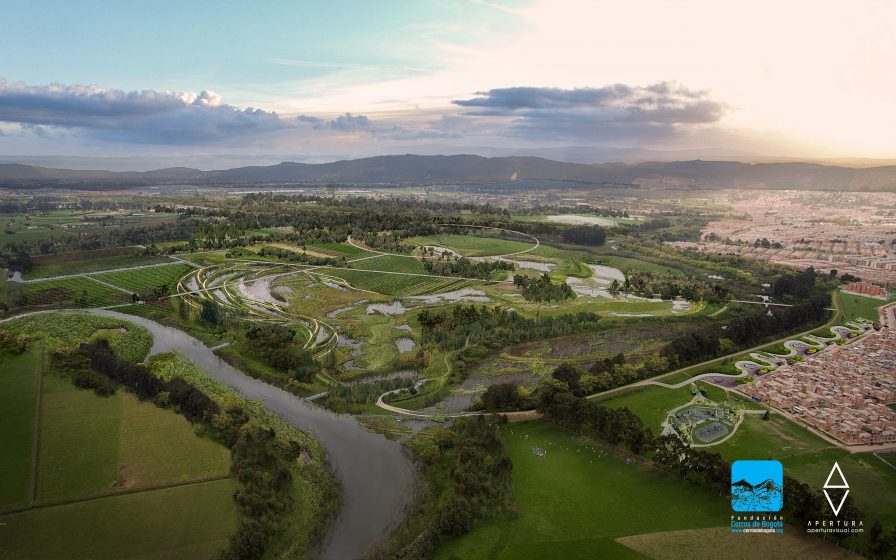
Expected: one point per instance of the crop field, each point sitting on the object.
(392, 264)
(472, 245)
(64, 223)
(69, 292)
(144, 278)
(577, 499)
(58, 265)
(191, 521)
(397, 284)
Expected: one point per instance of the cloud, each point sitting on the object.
(147, 116)
(361, 125)
(619, 112)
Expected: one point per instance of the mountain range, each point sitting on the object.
(477, 170)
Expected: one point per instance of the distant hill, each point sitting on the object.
(477, 170)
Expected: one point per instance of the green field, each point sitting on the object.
(808, 458)
(396, 284)
(191, 521)
(67, 292)
(472, 245)
(64, 266)
(143, 278)
(653, 403)
(113, 477)
(574, 502)
(133, 445)
(856, 307)
(392, 264)
(638, 265)
(19, 377)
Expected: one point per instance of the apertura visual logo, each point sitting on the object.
(843, 485)
(757, 486)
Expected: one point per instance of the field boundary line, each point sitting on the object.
(145, 490)
(35, 438)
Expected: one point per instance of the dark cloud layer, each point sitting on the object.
(135, 116)
(658, 112)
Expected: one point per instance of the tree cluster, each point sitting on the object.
(584, 235)
(708, 342)
(670, 286)
(496, 327)
(274, 345)
(615, 426)
(542, 289)
(189, 401)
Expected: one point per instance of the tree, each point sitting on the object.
(211, 312)
(614, 288)
(569, 375)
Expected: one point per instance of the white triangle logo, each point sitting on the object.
(842, 500)
(843, 484)
(827, 483)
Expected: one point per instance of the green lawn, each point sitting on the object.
(653, 403)
(193, 521)
(19, 377)
(472, 245)
(855, 307)
(626, 263)
(392, 264)
(573, 503)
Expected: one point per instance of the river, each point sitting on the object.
(377, 475)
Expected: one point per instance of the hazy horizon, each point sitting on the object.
(179, 84)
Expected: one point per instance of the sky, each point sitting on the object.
(140, 85)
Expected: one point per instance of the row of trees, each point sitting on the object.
(748, 330)
(542, 289)
(190, 402)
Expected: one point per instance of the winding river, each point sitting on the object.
(376, 474)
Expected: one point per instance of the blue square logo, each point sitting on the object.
(757, 486)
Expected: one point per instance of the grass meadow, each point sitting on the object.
(574, 502)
